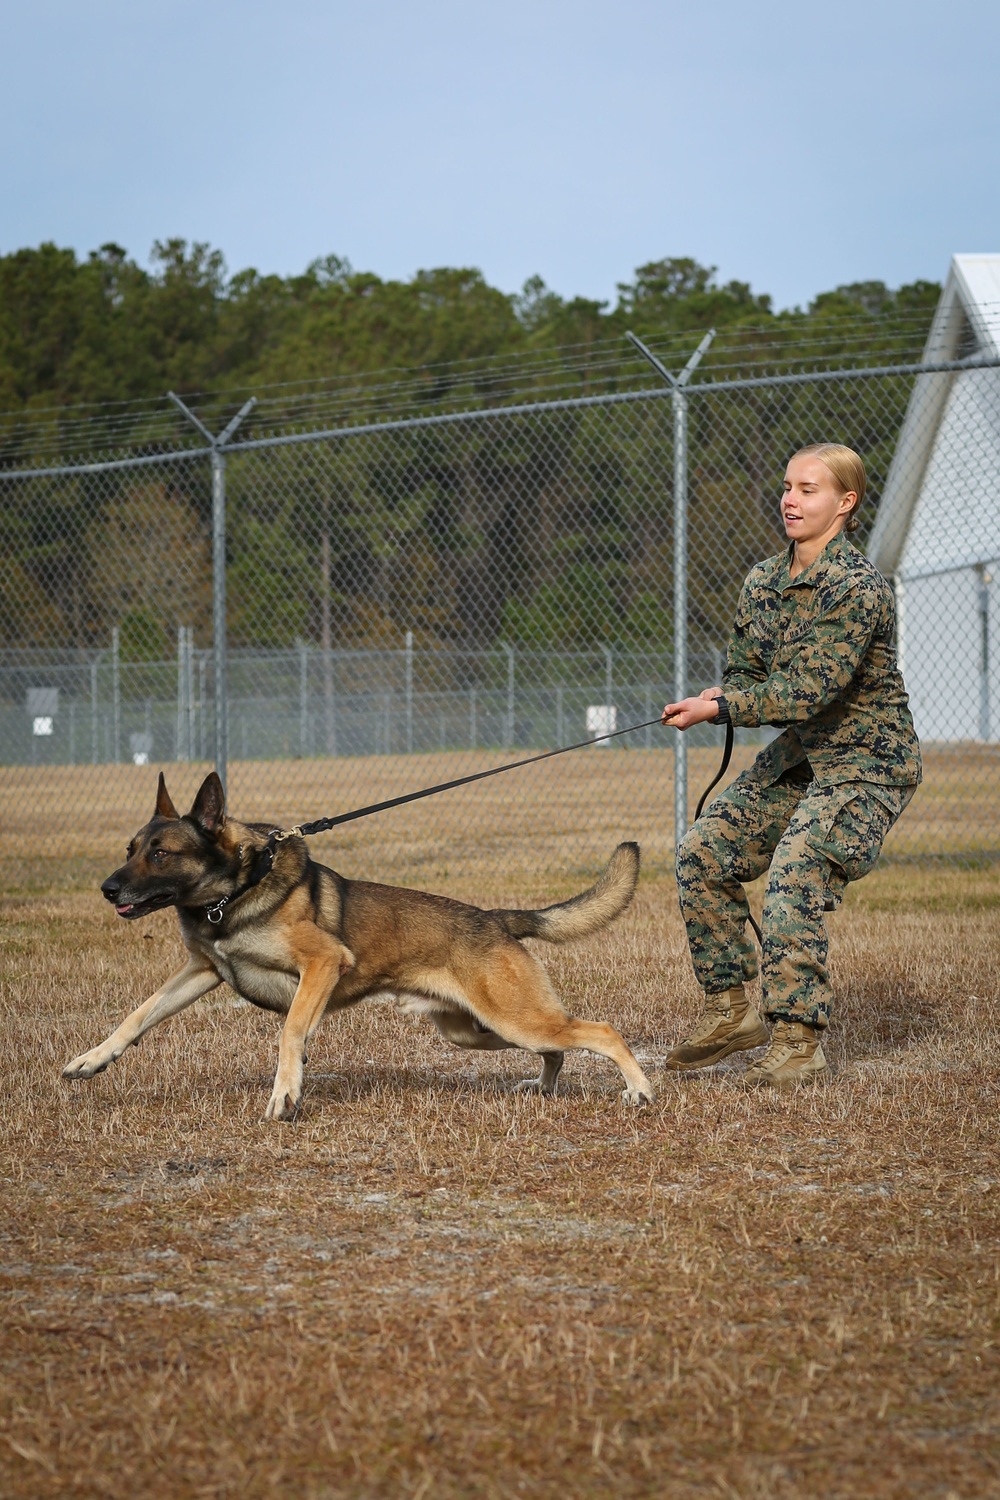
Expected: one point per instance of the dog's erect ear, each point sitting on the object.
(209, 810)
(164, 806)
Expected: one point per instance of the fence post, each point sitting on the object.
(93, 712)
(192, 740)
(218, 462)
(116, 695)
(985, 717)
(219, 610)
(303, 699)
(508, 736)
(326, 642)
(608, 687)
(679, 404)
(679, 400)
(180, 752)
(409, 692)
(202, 669)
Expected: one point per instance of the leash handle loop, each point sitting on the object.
(727, 756)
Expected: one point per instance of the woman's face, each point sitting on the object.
(813, 507)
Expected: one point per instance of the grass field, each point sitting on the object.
(67, 825)
(431, 1285)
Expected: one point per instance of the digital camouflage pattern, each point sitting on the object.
(816, 654)
(815, 838)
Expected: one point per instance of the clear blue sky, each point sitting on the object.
(794, 145)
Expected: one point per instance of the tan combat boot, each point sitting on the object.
(794, 1057)
(729, 1023)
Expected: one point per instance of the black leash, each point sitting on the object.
(727, 756)
(321, 825)
(264, 861)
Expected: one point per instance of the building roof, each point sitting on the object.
(941, 505)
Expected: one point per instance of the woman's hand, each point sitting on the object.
(689, 711)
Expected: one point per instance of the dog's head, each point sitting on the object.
(174, 860)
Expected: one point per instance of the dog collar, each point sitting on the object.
(262, 865)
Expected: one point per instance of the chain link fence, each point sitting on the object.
(340, 616)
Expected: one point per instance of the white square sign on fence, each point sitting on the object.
(141, 748)
(42, 704)
(602, 719)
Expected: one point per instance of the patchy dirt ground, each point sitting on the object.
(431, 1285)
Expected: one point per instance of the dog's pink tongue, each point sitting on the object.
(124, 910)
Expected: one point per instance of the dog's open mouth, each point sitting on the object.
(132, 909)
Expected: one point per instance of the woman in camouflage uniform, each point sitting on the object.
(812, 652)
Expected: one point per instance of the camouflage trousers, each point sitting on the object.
(814, 839)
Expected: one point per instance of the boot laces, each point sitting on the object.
(784, 1046)
(778, 1054)
(709, 1020)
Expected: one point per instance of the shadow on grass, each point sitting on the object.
(350, 1086)
(884, 1020)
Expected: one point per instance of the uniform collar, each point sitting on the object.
(836, 552)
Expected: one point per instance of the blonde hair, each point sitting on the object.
(847, 469)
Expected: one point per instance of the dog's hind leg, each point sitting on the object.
(518, 1002)
(322, 962)
(181, 990)
(548, 1079)
(599, 1037)
(464, 1030)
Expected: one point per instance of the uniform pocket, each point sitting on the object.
(851, 827)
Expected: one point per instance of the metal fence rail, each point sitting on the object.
(302, 609)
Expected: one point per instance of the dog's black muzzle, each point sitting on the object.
(115, 889)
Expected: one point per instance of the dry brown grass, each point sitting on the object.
(71, 822)
(433, 1286)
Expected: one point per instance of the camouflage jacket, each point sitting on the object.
(816, 654)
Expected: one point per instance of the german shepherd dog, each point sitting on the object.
(305, 940)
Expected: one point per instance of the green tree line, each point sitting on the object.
(547, 530)
(104, 328)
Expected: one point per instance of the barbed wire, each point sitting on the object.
(146, 426)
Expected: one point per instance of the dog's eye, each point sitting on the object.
(160, 854)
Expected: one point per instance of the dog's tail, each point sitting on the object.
(583, 914)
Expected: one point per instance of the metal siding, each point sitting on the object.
(943, 676)
(956, 518)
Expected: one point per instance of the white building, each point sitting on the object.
(937, 532)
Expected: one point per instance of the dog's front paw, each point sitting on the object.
(637, 1096)
(88, 1063)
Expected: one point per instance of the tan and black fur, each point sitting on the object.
(306, 940)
